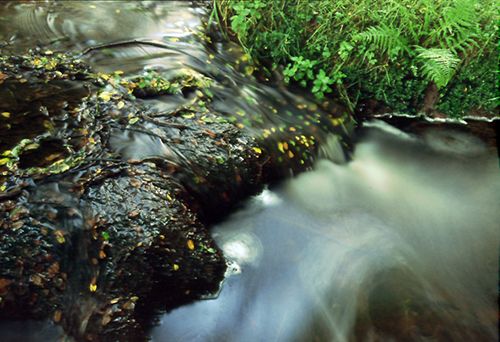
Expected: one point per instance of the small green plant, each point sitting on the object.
(301, 69)
(246, 14)
(321, 84)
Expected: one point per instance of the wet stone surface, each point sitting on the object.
(96, 240)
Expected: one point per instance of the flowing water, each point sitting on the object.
(400, 243)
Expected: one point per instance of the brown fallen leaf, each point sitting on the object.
(57, 316)
(211, 134)
(4, 283)
(135, 183)
(106, 319)
(36, 279)
(133, 213)
(53, 269)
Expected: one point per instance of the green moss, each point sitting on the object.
(152, 83)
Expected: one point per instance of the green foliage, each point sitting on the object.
(246, 15)
(457, 29)
(475, 88)
(300, 69)
(369, 49)
(438, 65)
(321, 84)
(384, 39)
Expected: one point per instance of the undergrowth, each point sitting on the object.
(388, 50)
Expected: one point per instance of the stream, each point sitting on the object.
(400, 243)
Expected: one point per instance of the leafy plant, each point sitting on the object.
(301, 70)
(438, 65)
(322, 84)
(386, 50)
(384, 39)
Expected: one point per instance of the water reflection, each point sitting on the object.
(79, 24)
(399, 244)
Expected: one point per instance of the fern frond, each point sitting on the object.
(457, 27)
(438, 65)
(385, 39)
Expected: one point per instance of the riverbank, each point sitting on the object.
(435, 58)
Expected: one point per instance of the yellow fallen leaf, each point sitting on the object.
(36, 62)
(249, 70)
(176, 267)
(120, 105)
(133, 120)
(59, 236)
(53, 156)
(257, 150)
(336, 122)
(93, 287)
(280, 147)
(105, 96)
(190, 244)
(51, 65)
(6, 114)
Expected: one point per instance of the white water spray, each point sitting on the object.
(399, 244)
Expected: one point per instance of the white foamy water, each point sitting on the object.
(401, 243)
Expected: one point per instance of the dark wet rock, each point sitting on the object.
(98, 235)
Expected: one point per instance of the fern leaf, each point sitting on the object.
(457, 26)
(385, 39)
(438, 65)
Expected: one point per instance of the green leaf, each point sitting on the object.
(438, 65)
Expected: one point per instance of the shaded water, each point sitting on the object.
(399, 244)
